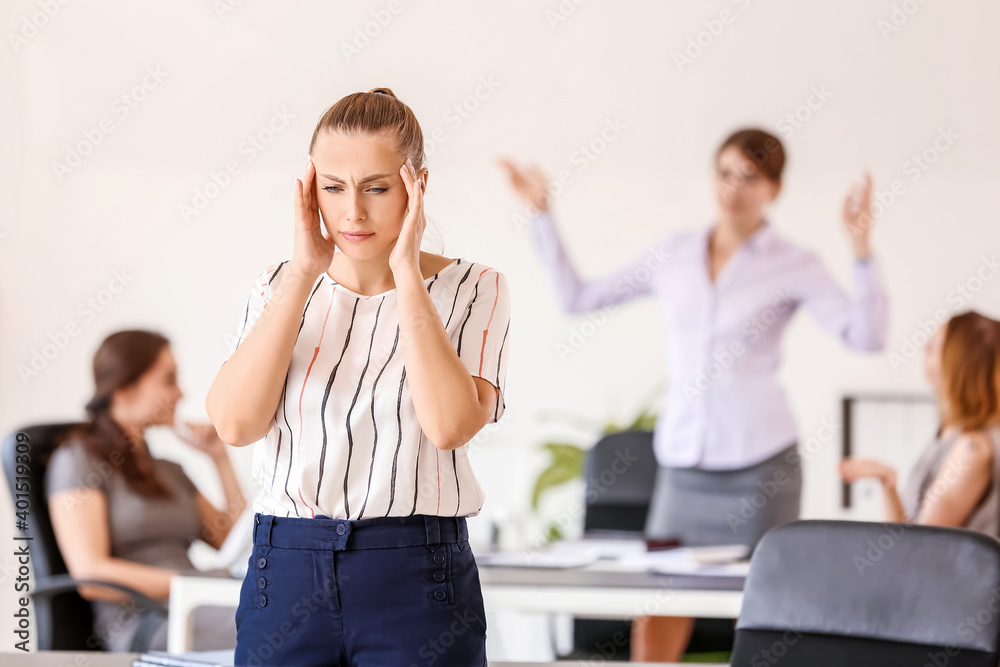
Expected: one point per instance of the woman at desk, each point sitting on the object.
(954, 482)
(119, 514)
(727, 291)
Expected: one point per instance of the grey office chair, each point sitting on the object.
(63, 618)
(833, 593)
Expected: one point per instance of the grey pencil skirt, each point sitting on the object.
(713, 507)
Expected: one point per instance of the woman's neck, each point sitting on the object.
(135, 433)
(728, 233)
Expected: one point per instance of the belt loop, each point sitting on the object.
(433, 525)
(256, 522)
(463, 528)
(266, 522)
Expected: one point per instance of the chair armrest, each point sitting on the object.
(152, 609)
(62, 583)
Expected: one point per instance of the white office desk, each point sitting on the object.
(603, 590)
(598, 590)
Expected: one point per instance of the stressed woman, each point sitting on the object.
(363, 370)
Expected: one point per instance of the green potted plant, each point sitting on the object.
(567, 460)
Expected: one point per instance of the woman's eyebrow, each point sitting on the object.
(366, 179)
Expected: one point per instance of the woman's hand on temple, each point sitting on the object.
(312, 251)
(405, 254)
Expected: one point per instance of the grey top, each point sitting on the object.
(152, 531)
(985, 518)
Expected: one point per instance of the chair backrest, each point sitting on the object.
(25, 454)
(619, 476)
(825, 592)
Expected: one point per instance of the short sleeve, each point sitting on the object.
(484, 336)
(257, 298)
(182, 478)
(71, 467)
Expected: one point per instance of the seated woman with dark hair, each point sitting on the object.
(956, 480)
(123, 516)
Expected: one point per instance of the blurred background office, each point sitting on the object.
(150, 154)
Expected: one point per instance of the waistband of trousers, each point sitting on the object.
(323, 532)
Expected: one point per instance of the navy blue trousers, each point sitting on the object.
(379, 592)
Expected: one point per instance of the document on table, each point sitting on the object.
(542, 558)
(719, 560)
(627, 555)
(613, 548)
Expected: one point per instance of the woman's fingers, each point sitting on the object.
(867, 183)
(518, 178)
(513, 173)
(309, 187)
(299, 205)
(530, 182)
(404, 173)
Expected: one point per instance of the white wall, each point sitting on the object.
(554, 86)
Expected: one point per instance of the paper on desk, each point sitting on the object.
(600, 547)
(623, 555)
(545, 558)
(684, 559)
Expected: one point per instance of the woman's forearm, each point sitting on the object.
(445, 397)
(244, 395)
(151, 581)
(235, 501)
(579, 295)
(894, 511)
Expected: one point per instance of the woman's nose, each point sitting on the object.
(355, 210)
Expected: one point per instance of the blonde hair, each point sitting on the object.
(378, 112)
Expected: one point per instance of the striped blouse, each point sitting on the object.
(345, 441)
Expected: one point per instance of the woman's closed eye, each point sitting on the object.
(337, 188)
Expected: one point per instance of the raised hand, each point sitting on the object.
(858, 216)
(529, 183)
(203, 437)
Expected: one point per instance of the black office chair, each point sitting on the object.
(619, 477)
(63, 618)
(618, 488)
(832, 593)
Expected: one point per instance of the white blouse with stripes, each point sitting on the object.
(345, 441)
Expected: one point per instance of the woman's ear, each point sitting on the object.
(776, 190)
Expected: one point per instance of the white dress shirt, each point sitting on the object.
(724, 408)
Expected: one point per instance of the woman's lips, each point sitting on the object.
(356, 236)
